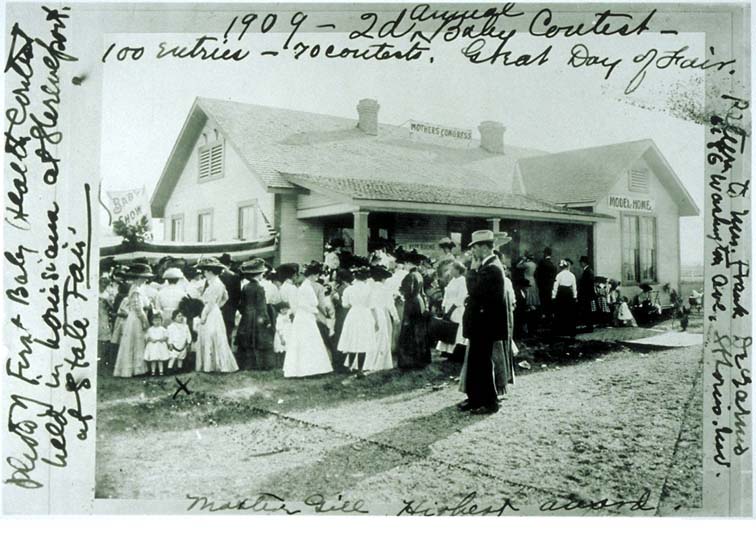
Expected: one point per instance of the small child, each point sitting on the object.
(156, 345)
(283, 329)
(179, 340)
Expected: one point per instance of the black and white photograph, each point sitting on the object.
(396, 259)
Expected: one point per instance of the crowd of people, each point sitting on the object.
(347, 313)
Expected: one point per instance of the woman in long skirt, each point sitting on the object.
(213, 352)
(381, 301)
(306, 354)
(130, 358)
(254, 337)
(413, 350)
(358, 336)
(565, 301)
(453, 306)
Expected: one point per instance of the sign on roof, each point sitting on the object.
(631, 204)
(444, 132)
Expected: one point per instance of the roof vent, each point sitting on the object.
(367, 110)
(492, 136)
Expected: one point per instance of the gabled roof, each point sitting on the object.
(585, 176)
(272, 141)
(355, 190)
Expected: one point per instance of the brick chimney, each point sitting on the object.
(492, 136)
(367, 110)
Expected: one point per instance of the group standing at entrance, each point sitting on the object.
(347, 314)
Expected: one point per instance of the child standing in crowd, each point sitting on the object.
(283, 329)
(179, 340)
(358, 335)
(156, 345)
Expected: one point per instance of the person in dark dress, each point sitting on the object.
(484, 324)
(565, 294)
(586, 294)
(232, 282)
(545, 274)
(254, 338)
(413, 349)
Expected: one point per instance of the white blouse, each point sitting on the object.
(565, 278)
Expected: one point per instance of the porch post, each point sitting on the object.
(495, 224)
(361, 233)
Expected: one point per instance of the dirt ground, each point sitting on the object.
(590, 420)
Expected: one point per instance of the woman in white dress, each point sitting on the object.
(360, 326)
(381, 301)
(306, 353)
(453, 305)
(213, 352)
(130, 358)
(169, 296)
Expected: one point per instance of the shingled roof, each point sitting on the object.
(586, 175)
(274, 141)
(365, 189)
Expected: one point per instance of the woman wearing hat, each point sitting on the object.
(413, 349)
(170, 295)
(254, 337)
(130, 358)
(381, 302)
(565, 296)
(213, 352)
(306, 354)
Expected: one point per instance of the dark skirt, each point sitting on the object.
(254, 342)
(413, 348)
(565, 310)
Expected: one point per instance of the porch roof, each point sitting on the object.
(430, 197)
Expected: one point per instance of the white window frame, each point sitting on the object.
(635, 218)
(200, 214)
(171, 220)
(255, 205)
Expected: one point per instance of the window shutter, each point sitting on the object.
(204, 163)
(216, 160)
(639, 180)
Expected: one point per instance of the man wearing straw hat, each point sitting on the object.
(484, 324)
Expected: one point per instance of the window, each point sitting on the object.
(176, 230)
(638, 249)
(638, 180)
(210, 159)
(205, 226)
(247, 222)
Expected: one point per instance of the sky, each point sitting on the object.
(553, 108)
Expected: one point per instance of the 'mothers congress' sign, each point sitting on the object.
(631, 204)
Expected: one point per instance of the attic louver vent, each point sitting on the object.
(639, 180)
(211, 161)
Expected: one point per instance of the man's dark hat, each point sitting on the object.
(211, 264)
(139, 270)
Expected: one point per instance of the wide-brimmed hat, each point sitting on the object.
(287, 271)
(139, 270)
(379, 272)
(502, 238)
(253, 266)
(211, 264)
(482, 236)
(172, 273)
(446, 242)
(313, 269)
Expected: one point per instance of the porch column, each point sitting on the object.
(495, 224)
(361, 233)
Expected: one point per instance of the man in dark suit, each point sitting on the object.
(232, 282)
(586, 290)
(545, 274)
(484, 323)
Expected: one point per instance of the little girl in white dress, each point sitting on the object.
(156, 345)
(179, 339)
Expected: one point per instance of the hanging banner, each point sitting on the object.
(129, 205)
(444, 132)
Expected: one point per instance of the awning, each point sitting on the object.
(238, 250)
